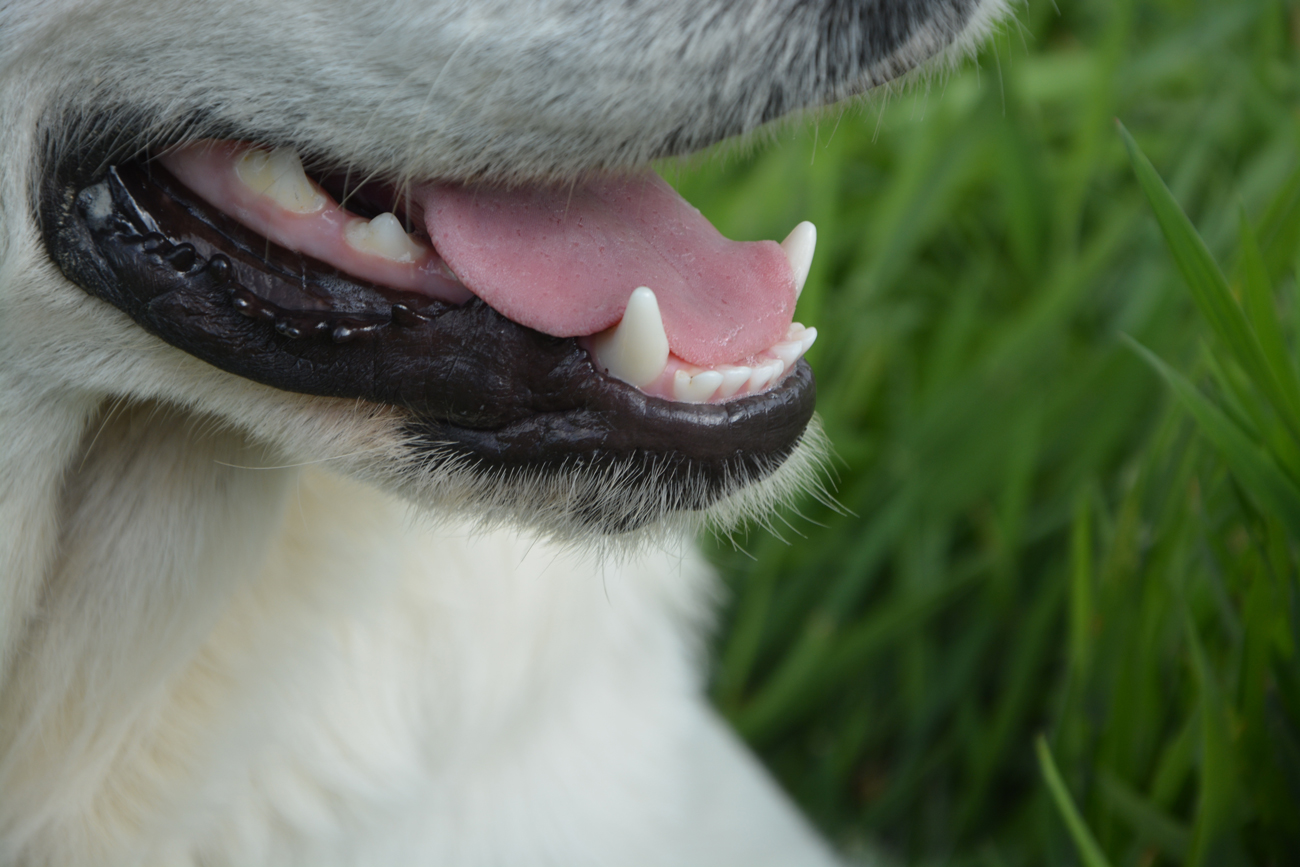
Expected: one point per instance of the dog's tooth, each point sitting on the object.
(695, 388)
(278, 174)
(799, 246)
(765, 374)
(788, 352)
(808, 338)
(733, 377)
(383, 236)
(636, 349)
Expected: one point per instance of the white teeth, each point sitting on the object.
(765, 374)
(799, 246)
(635, 350)
(733, 378)
(697, 388)
(383, 236)
(788, 352)
(279, 175)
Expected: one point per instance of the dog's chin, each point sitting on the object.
(498, 416)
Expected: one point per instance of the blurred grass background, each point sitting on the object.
(1043, 539)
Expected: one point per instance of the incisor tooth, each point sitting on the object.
(808, 338)
(733, 378)
(788, 352)
(636, 349)
(279, 175)
(799, 246)
(697, 388)
(383, 236)
(765, 374)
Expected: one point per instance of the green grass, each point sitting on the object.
(1068, 434)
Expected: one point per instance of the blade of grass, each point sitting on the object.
(1217, 792)
(1210, 288)
(1256, 470)
(1089, 852)
(1150, 822)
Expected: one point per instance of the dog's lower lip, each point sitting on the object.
(475, 383)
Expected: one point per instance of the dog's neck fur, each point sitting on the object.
(128, 539)
(174, 579)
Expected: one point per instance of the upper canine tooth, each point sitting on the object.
(279, 175)
(799, 246)
(636, 349)
(383, 236)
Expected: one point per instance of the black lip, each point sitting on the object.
(477, 385)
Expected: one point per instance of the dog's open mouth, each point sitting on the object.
(524, 327)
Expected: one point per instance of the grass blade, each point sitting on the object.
(1210, 288)
(1253, 467)
(1089, 851)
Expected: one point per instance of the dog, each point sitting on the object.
(359, 385)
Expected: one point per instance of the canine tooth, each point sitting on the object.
(636, 349)
(733, 377)
(697, 388)
(808, 339)
(788, 352)
(383, 236)
(279, 175)
(799, 246)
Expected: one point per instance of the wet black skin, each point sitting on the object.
(504, 395)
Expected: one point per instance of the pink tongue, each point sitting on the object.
(564, 260)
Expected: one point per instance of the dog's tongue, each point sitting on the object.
(563, 260)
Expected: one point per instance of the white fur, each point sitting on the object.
(223, 638)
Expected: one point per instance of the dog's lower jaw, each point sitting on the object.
(179, 702)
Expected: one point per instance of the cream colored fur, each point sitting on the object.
(225, 636)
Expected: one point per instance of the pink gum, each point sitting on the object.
(208, 169)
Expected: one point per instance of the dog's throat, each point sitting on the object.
(478, 387)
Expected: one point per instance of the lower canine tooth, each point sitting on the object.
(695, 389)
(383, 236)
(279, 175)
(636, 349)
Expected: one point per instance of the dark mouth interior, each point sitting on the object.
(369, 198)
(475, 383)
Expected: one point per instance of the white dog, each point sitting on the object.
(224, 639)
